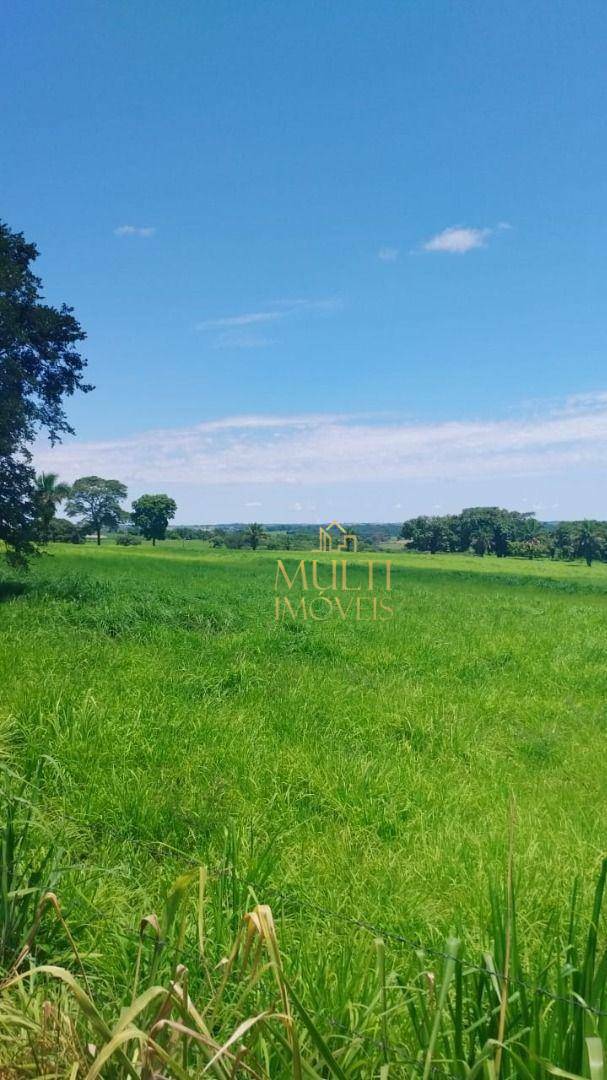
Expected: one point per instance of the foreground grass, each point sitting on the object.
(209, 991)
(363, 769)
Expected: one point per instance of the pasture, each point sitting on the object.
(344, 771)
(365, 766)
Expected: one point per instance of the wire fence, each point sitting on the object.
(440, 954)
(413, 944)
(391, 1049)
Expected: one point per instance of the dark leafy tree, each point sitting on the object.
(62, 531)
(39, 366)
(500, 538)
(151, 515)
(564, 540)
(431, 534)
(254, 535)
(589, 541)
(487, 527)
(580, 540)
(49, 492)
(97, 502)
(234, 539)
(501, 526)
(480, 542)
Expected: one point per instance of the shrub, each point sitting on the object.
(62, 531)
(535, 548)
(128, 540)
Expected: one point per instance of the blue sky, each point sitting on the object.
(333, 259)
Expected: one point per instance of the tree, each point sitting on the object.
(253, 535)
(480, 542)
(431, 534)
(39, 367)
(538, 547)
(98, 502)
(152, 513)
(62, 531)
(497, 526)
(589, 541)
(48, 494)
(564, 540)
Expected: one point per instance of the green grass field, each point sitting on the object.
(165, 719)
(375, 758)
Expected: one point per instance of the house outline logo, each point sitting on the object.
(347, 541)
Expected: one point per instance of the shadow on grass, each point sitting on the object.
(507, 579)
(10, 589)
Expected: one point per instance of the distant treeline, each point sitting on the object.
(491, 530)
(282, 537)
(483, 530)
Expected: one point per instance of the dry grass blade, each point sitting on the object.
(49, 899)
(261, 921)
(84, 1002)
(241, 1030)
(209, 1046)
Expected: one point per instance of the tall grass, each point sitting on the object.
(208, 989)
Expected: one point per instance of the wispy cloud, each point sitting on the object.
(335, 448)
(236, 339)
(250, 319)
(135, 230)
(387, 254)
(276, 311)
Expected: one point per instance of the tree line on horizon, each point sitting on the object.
(488, 530)
(491, 530)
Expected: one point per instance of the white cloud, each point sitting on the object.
(333, 448)
(250, 505)
(457, 240)
(134, 230)
(387, 254)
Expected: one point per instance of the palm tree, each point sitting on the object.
(254, 534)
(589, 541)
(49, 492)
